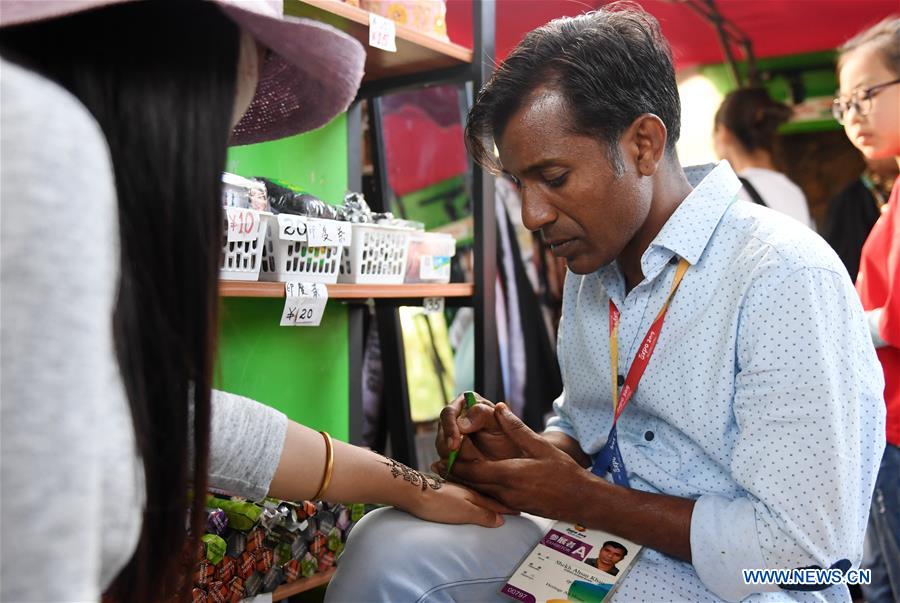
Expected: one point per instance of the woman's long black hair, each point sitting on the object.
(159, 77)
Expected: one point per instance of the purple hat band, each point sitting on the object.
(312, 74)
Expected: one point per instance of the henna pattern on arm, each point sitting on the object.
(415, 478)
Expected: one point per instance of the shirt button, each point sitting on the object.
(648, 435)
(620, 380)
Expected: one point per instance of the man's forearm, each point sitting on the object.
(568, 445)
(658, 521)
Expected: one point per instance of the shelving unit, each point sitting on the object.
(420, 61)
(470, 76)
(302, 585)
(416, 52)
(351, 292)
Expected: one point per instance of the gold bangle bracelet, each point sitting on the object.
(329, 466)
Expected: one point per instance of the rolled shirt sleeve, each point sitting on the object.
(560, 420)
(245, 445)
(810, 419)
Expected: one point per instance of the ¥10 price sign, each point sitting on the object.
(241, 224)
(304, 304)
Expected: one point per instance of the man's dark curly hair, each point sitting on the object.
(611, 65)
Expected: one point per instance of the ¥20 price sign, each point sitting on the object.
(304, 304)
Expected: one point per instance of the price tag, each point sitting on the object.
(241, 224)
(382, 33)
(304, 304)
(328, 233)
(433, 305)
(292, 228)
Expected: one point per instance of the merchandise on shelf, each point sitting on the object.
(244, 228)
(428, 259)
(253, 548)
(243, 193)
(427, 16)
(307, 247)
(284, 200)
(306, 239)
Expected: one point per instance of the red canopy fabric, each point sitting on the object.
(776, 27)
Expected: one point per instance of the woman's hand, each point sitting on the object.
(452, 503)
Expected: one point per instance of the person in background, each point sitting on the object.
(853, 212)
(114, 137)
(745, 128)
(868, 105)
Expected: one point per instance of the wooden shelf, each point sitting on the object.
(303, 584)
(350, 292)
(416, 52)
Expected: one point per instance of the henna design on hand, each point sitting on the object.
(416, 478)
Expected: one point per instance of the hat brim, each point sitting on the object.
(312, 75)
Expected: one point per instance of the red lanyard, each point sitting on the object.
(642, 358)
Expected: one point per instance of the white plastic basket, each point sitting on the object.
(287, 254)
(376, 255)
(243, 241)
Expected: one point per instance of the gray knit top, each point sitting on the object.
(72, 485)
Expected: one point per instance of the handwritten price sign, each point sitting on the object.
(328, 233)
(382, 33)
(241, 224)
(292, 228)
(304, 304)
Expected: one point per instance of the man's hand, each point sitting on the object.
(484, 439)
(542, 479)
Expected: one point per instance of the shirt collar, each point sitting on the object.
(689, 229)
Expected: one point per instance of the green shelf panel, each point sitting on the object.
(302, 371)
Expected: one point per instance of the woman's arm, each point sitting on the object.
(255, 450)
(361, 475)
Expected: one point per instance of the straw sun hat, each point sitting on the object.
(311, 75)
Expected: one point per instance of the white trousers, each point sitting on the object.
(393, 557)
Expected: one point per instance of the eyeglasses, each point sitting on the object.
(861, 101)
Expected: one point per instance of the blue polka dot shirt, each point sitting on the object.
(762, 401)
